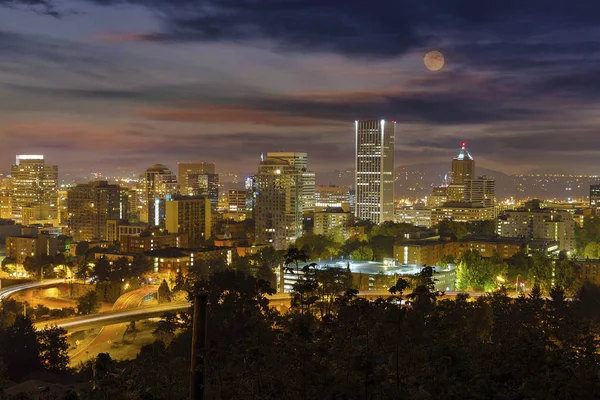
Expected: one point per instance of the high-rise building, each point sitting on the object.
(463, 167)
(34, 183)
(374, 179)
(199, 179)
(236, 200)
(160, 184)
(285, 189)
(190, 215)
(251, 192)
(5, 198)
(91, 205)
(300, 162)
(481, 190)
(594, 196)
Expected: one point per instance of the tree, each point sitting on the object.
(82, 249)
(541, 271)
(20, 349)
(445, 260)
(565, 275)
(59, 259)
(400, 286)
(363, 253)
(592, 250)
(164, 294)
(31, 266)
(180, 282)
(8, 264)
(53, 349)
(295, 256)
(475, 272)
(88, 303)
(456, 230)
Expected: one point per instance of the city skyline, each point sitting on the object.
(126, 84)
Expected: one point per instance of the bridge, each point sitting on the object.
(9, 291)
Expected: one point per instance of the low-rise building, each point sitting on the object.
(461, 212)
(333, 222)
(152, 240)
(116, 228)
(20, 247)
(533, 222)
(414, 215)
(589, 271)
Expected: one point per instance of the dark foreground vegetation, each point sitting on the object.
(338, 346)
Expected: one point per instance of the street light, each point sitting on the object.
(516, 284)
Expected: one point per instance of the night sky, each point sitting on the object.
(100, 84)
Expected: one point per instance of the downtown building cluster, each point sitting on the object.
(178, 217)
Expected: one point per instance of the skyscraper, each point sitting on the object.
(190, 215)
(285, 189)
(199, 179)
(160, 183)
(91, 205)
(481, 190)
(463, 167)
(34, 185)
(374, 180)
(300, 162)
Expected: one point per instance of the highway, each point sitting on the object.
(109, 334)
(9, 291)
(112, 317)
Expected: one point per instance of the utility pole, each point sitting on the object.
(197, 368)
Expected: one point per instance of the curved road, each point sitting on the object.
(113, 333)
(7, 292)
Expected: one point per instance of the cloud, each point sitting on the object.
(46, 7)
(127, 37)
(208, 113)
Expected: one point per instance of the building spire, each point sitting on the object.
(463, 154)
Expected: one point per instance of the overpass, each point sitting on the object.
(9, 291)
(84, 322)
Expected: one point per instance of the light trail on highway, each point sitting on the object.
(9, 291)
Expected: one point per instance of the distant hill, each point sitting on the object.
(416, 181)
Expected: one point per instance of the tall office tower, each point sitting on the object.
(594, 196)
(34, 186)
(481, 190)
(190, 215)
(63, 211)
(285, 189)
(199, 179)
(374, 179)
(463, 167)
(90, 205)
(300, 162)
(251, 192)
(160, 184)
(5, 198)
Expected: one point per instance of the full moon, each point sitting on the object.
(434, 60)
